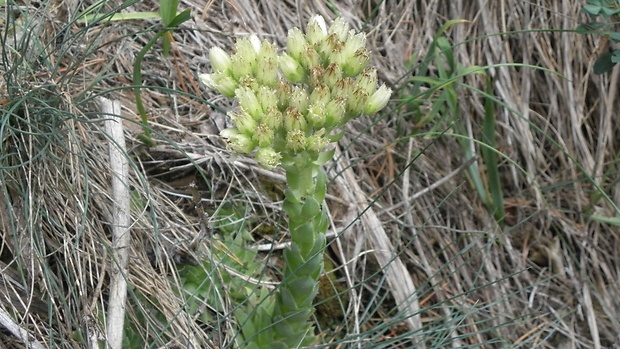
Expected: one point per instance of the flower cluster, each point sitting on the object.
(294, 102)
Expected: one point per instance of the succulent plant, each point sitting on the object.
(292, 107)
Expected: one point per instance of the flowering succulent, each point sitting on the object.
(321, 69)
(292, 105)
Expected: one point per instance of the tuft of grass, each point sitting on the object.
(440, 91)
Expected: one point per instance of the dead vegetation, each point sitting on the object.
(548, 277)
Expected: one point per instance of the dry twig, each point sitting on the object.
(121, 238)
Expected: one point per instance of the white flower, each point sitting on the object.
(317, 30)
(255, 41)
(378, 100)
(221, 82)
(220, 60)
(341, 28)
(207, 79)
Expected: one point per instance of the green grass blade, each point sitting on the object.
(168, 11)
(489, 155)
(137, 82)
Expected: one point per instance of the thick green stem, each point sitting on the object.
(304, 259)
(283, 321)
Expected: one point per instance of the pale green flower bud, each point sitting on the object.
(273, 118)
(263, 135)
(354, 43)
(283, 92)
(320, 94)
(267, 97)
(341, 28)
(317, 30)
(243, 122)
(317, 142)
(242, 66)
(334, 112)
(310, 59)
(291, 69)
(294, 120)
(337, 55)
(249, 102)
(316, 115)
(248, 46)
(344, 88)
(249, 82)
(296, 140)
(367, 81)
(239, 142)
(332, 74)
(356, 103)
(267, 72)
(378, 100)
(220, 82)
(326, 48)
(267, 65)
(356, 64)
(244, 60)
(316, 76)
(220, 60)
(299, 99)
(229, 133)
(296, 44)
(268, 157)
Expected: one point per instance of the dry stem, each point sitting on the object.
(121, 218)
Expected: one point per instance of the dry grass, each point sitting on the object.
(548, 278)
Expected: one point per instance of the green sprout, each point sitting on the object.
(292, 107)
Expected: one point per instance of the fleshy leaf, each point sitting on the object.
(310, 209)
(302, 287)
